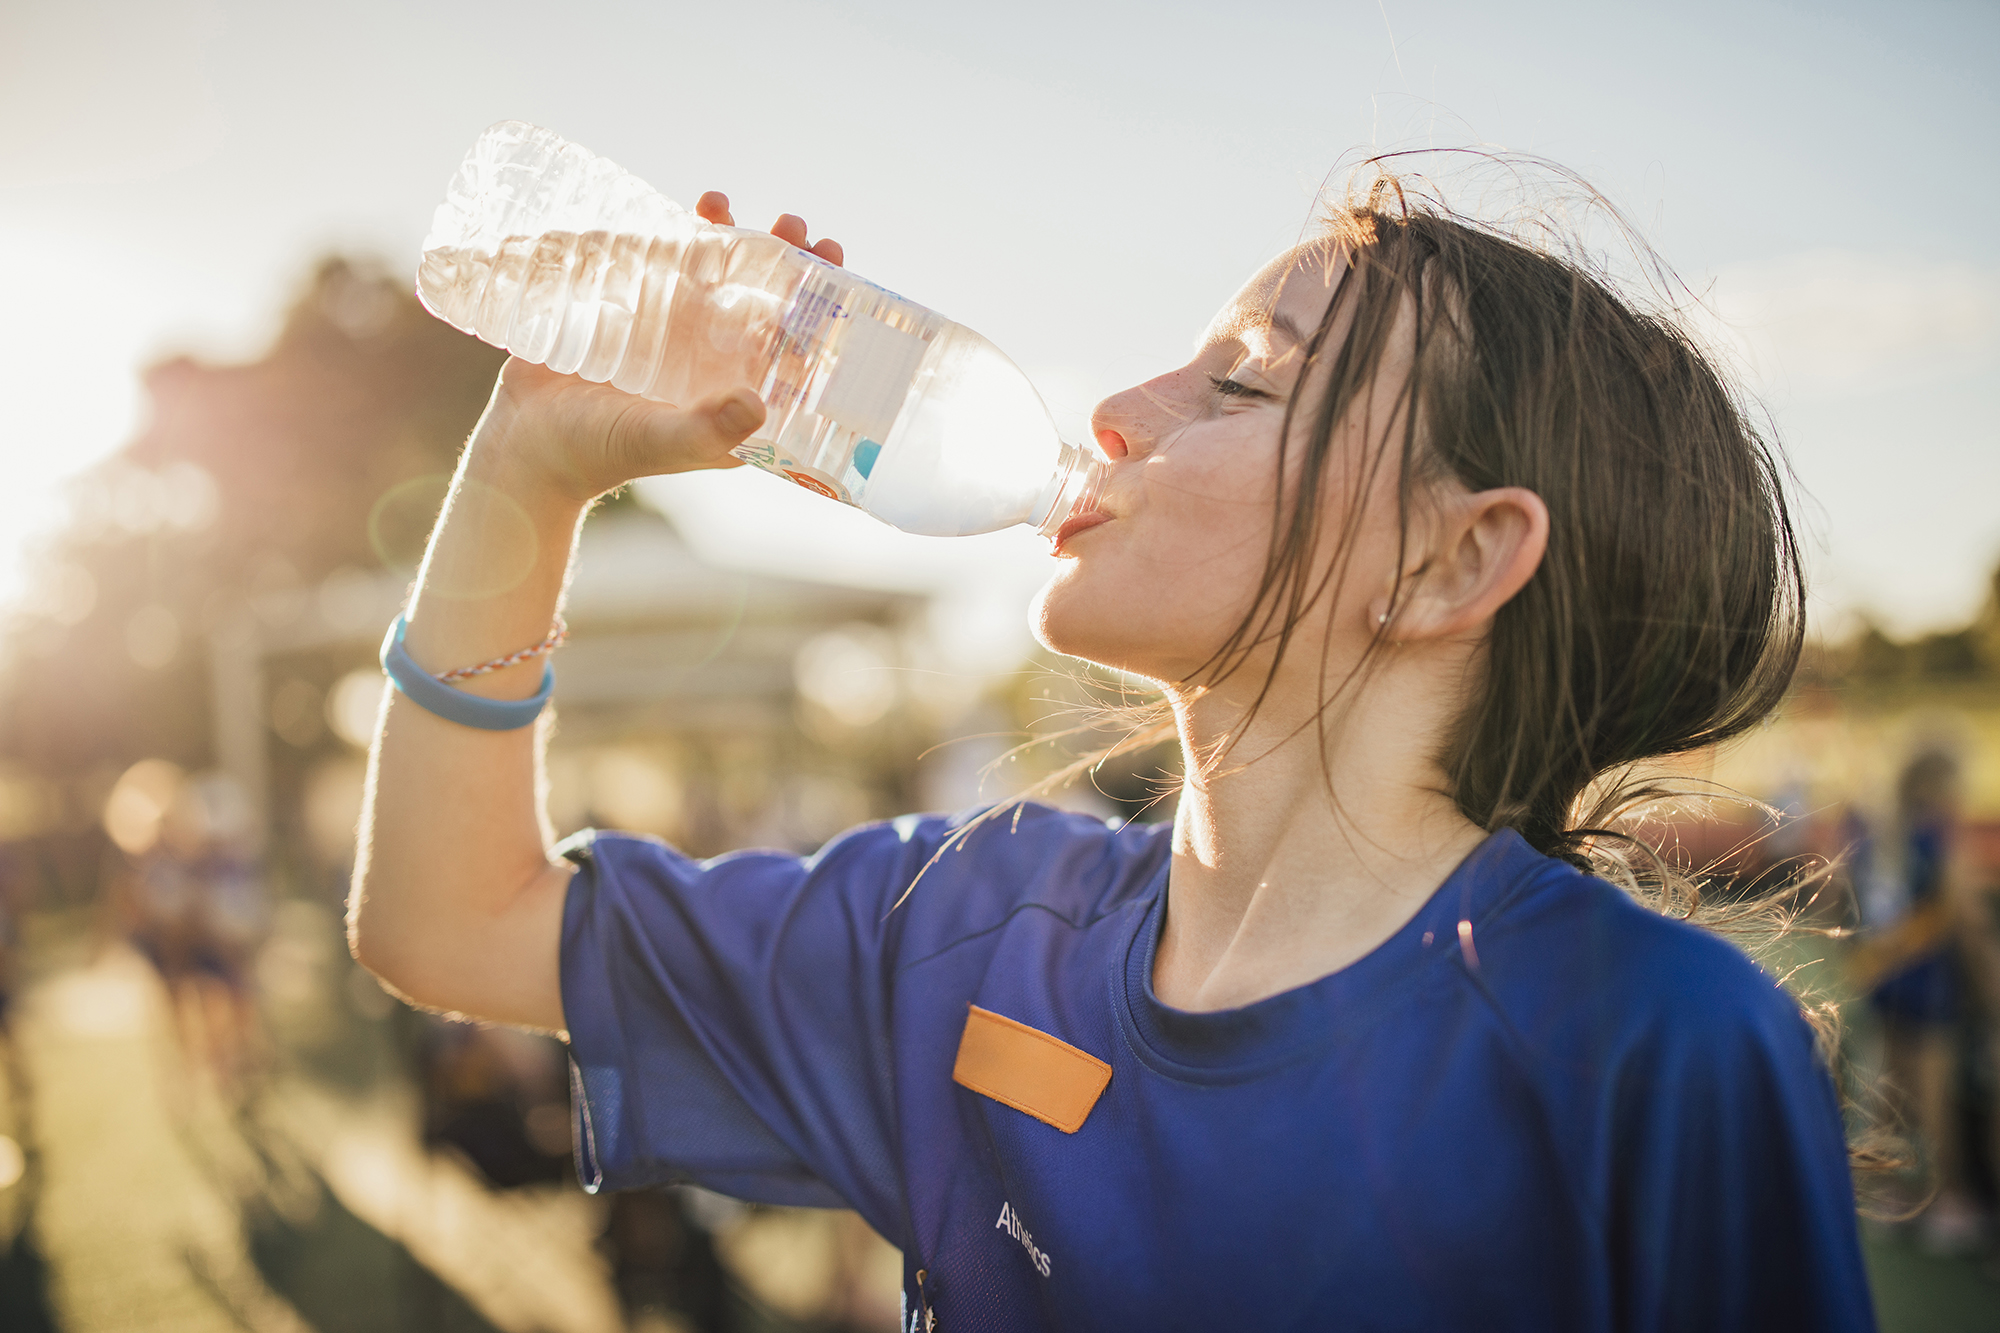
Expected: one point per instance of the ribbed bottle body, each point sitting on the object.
(564, 259)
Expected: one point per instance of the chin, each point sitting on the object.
(1070, 618)
(1048, 615)
(1066, 620)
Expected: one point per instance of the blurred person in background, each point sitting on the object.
(1979, 955)
(17, 1099)
(1432, 532)
(24, 1301)
(195, 904)
(16, 894)
(497, 1096)
(1921, 912)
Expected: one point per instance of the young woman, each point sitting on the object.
(1432, 532)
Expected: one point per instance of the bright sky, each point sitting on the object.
(1084, 183)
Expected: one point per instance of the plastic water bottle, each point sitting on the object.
(564, 259)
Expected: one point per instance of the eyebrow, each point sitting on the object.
(1283, 323)
(1286, 325)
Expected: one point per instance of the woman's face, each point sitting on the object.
(1158, 587)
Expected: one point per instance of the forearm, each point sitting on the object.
(455, 901)
(453, 846)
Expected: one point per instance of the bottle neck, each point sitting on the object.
(1074, 489)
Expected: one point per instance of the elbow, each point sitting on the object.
(364, 940)
(373, 942)
(436, 941)
(400, 974)
(385, 925)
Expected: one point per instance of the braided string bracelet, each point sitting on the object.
(557, 633)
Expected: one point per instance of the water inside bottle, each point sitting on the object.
(870, 399)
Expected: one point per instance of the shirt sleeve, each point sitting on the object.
(729, 1020)
(1733, 1207)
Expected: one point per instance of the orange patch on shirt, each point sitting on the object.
(1029, 1070)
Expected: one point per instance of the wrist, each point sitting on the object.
(498, 561)
(509, 454)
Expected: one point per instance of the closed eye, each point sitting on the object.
(1229, 388)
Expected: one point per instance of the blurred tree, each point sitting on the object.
(1986, 627)
(249, 481)
(1873, 660)
(1953, 656)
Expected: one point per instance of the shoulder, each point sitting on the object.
(958, 874)
(1576, 958)
(1686, 1096)
(937, 876)
(1663, 1057)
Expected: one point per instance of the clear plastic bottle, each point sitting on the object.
(564, 259)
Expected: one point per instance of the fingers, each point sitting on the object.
(789, 228)
(652, 438)
(735, 414)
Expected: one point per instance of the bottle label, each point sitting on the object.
(815, 481)
(814, 316)
(875, 366)
(760, 454)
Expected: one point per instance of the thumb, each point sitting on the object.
(662, 439)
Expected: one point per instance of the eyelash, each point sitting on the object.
(1229, 388)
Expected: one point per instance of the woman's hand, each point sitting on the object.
(582, 439)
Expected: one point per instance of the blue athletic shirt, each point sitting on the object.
(1569, 1113)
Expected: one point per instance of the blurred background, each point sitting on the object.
(226, 426)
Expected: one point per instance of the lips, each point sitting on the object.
(1077, 523)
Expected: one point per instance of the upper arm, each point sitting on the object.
(730, 1020)
(501, 963)
(456, 903)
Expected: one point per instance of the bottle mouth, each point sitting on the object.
(1074, 489)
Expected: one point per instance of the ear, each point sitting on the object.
(1484, 547)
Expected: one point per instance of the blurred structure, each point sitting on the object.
(217, 602)
(251, 487)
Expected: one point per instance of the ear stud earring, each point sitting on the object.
(1382, 619)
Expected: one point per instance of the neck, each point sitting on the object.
(1290, 861)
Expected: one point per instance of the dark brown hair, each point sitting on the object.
(1668, 611)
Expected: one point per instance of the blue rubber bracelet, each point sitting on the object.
(432, 695)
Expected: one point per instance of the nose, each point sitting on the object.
(1130, 424)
